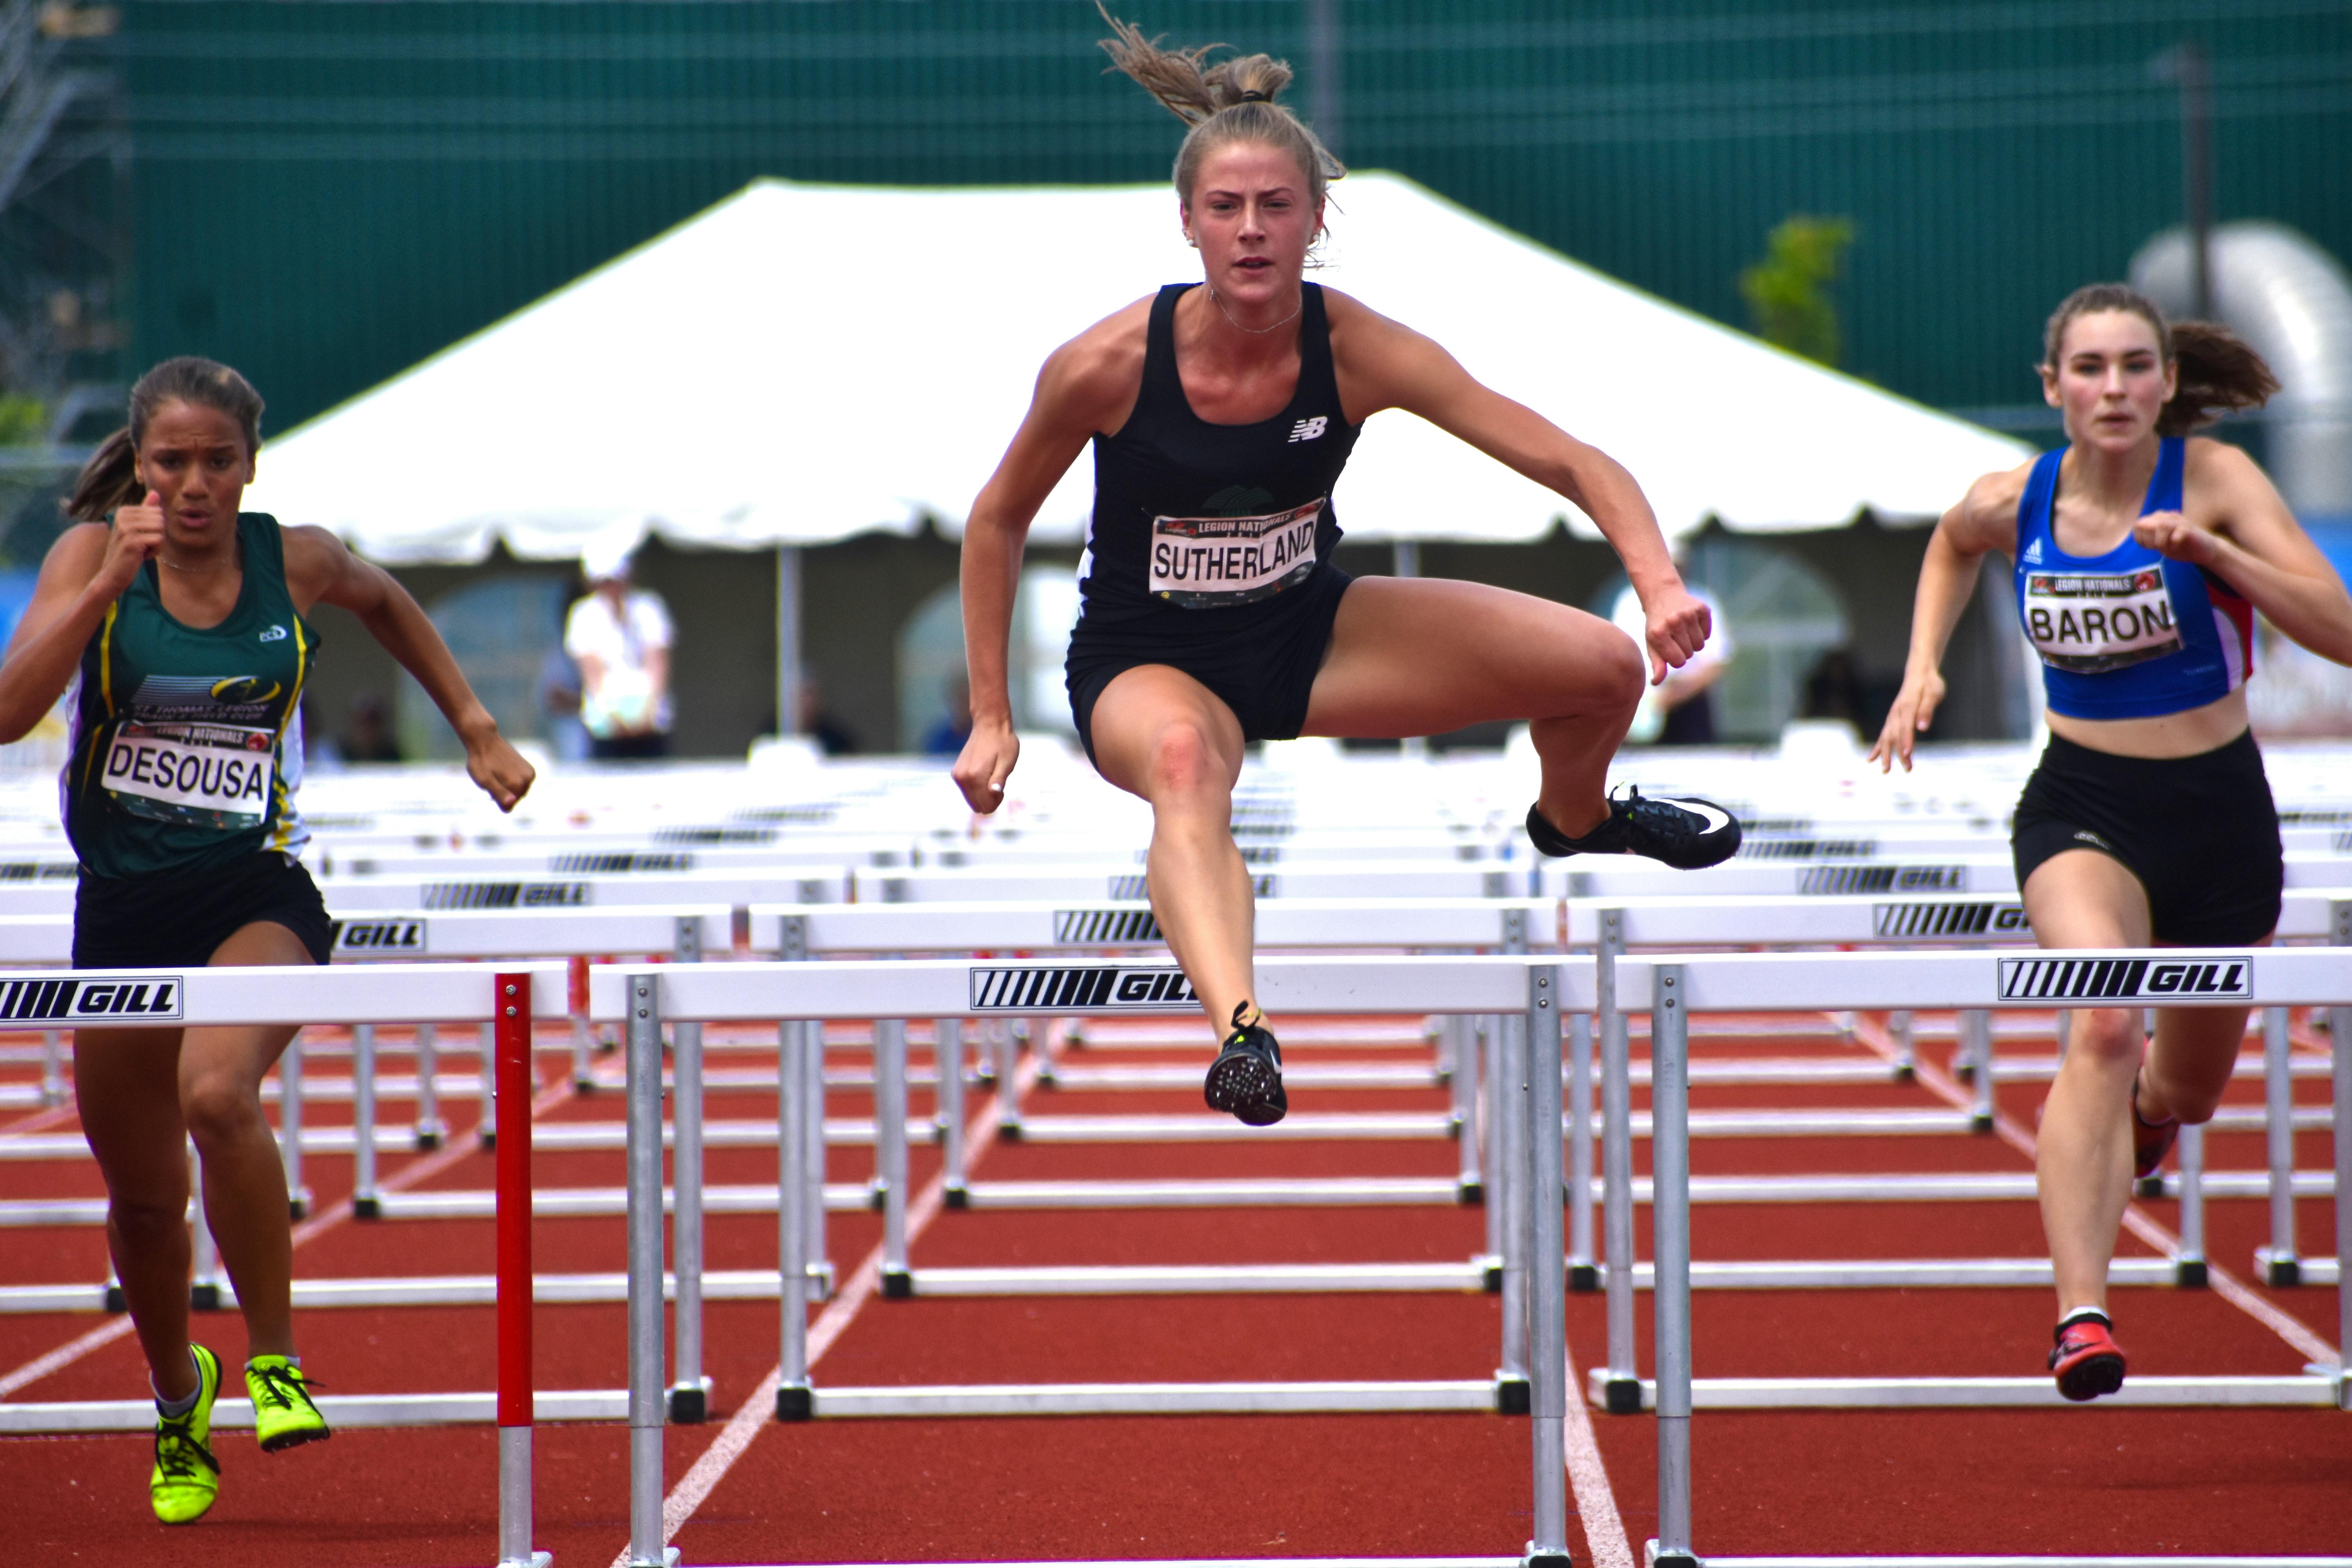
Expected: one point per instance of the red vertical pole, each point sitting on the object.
(516, 1082)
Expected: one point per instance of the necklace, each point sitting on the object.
(1255, 332)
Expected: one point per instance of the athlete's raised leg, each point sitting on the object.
(1161, 734)
(1421, 656)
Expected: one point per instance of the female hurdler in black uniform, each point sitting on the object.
(1221, 414)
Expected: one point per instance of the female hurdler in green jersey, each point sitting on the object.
(178, 624)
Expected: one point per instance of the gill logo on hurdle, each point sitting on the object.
(2229, 978)
(66, 1001)
(1091, 987)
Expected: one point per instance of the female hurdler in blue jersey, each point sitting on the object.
(2141, 557)
(180, 626)
(1221, 414)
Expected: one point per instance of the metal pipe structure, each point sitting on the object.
(1515, 1138)
(53, 1076)
(1583, 1273)
(364, 1204)
(1671, 1303)
(428, 1130)
(1622, 1388)
(793, 1400)
(689, 1394)
(2188, 1265)
(204, 1277)
(290, 1125)
(2339, 1034)
(818, 1262)
(486, 1132)
(1546, 1322)
(648, 1409)
(1975, 1039)
(2280, 1262)
(514, 1078)
(1485, 1038)
(947, 1057)
(1460, 1043)
(891, 1152)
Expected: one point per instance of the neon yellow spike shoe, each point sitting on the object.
(283, 1415)
(186, 1477)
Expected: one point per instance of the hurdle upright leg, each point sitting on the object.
(1670, 1257)
(947, 1053)
(648, 1410)
(1976, 1046)
(890, 1151)
(1548, 1269)
(364, 1202)
(507, 1046)
(2280, 1263)
(1462, 1081)
(2339, 1035)
(1511, 1391)
(1483, 1037)
(1583, 1273)
(205, 1277)
(1621, 1389)
(428, 1130)
(793, 1400)
(53, 1071)
(811, 1191)
(689, 1394)
(2189, 1265)
(289, 1126)
(486, 1131)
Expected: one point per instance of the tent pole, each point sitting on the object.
(788, 639)
(1405, 562)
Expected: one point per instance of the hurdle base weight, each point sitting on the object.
(1493, 1280)
(298, 1204)
(689, 1403)
(1617, 1395)
(1584, 1277)
(2189, 1273)
(115, 1302)
(1657, 1559)
(367, 1207)
(897, 1284)
(1471, 1194)
(1545, 1559)
(2281, 1270)
(2149, 1186)
(957, 1197)
(795, 1401)
(205, 1296)
(1514, 1396)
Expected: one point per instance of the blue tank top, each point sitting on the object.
(2129, 634)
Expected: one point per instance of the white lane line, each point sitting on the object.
(696, 1486)
(1596, 1505)
(335, 1214)
(2224, 1284)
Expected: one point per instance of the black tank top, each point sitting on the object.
(1196, 524)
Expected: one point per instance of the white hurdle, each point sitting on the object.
(1535, 989)
(506, 996)
(1680, 985)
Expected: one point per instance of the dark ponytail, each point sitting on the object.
(110, 477)
(2219, 373)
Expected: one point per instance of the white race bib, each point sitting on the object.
(206, 775)
(2091, 622)
(1201, 563)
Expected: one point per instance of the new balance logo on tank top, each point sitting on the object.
(2129, 634)
(187, 742)
(1192, 519)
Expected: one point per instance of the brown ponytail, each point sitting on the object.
(110, 477)
(1233, 101)
(2217, 371)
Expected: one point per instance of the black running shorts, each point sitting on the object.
(2200, 834)
(1260, 660)
(177, 919)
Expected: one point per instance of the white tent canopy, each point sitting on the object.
(806, 363)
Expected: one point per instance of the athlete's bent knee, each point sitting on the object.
(147, 1222)
(1184, 763)
(2106, 1035)
(220, 1113)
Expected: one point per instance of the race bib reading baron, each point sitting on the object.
(209, 775)
(2094, 622)
(1203, 562)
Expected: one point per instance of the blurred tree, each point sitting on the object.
(1788, 292)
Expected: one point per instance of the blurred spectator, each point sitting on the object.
(946, 738)
(1678, 712)
(821, 726)
(367, 732)
(620, 637)
(559, 704)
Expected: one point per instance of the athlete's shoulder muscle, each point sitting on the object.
(1380, 362)
(1090, 383)
(1985, 517)
(2225, 490)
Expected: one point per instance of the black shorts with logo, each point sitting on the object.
(1258, 659)
(177, 919)
(2200, 834)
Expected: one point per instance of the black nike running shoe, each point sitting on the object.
(1685, 832)
(1246, 1080)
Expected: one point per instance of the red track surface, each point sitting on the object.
(2091, 1480)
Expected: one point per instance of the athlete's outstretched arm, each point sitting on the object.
(1087, 385)
(319, 570)
(1986, 519)
(1383, 364)
(2256, 546)
(83, 573)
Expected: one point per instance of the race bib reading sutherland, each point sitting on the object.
(2088, 624)
(205, 776)
(1201, 563)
